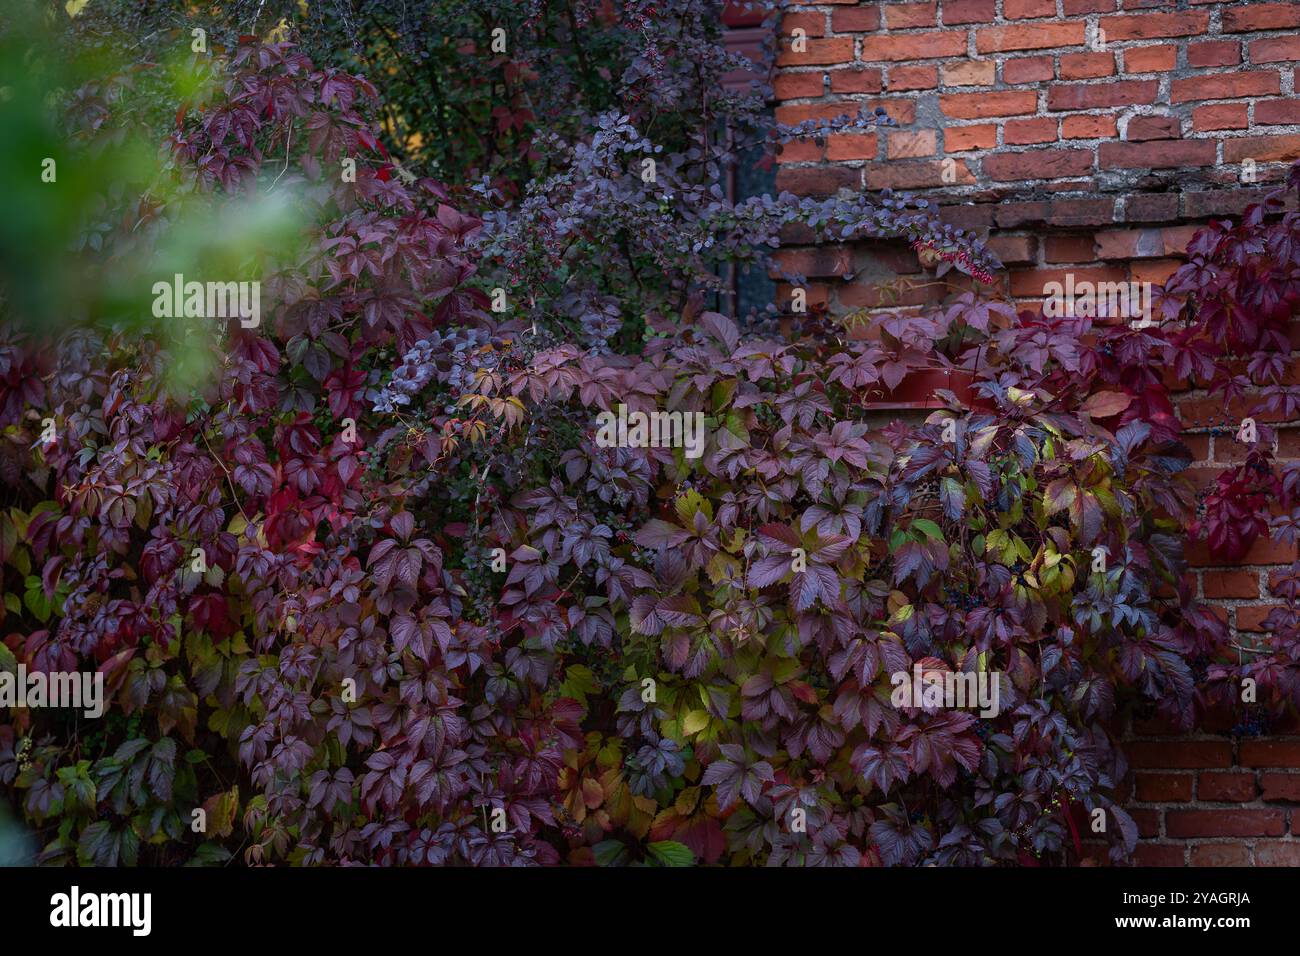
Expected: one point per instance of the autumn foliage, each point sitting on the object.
(436, 623)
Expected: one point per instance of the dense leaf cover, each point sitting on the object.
(345, 678)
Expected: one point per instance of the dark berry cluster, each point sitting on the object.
(1252, 722)
(1199, 666)
(961, 600)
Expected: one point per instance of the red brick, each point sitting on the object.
(1164, 787)
(1142, 128)
(1288, 444)
(1199, 445)
(801, 151)
(1014, 250)
(1148, 26)
(1028, 131)
(970, 73)
(1129, 244)
(862, 19)
(857, 80)
(1226, 787)
(817, 52)
(957, 139)
(1031, 283)
(1214, 53)
(1151, 207)
(862, 295)
(1270, 753)
(1277, 112)
(1212, 823)
(1177, 238)
(842, 146)
(1253, 618)
(1158, 854)
(1220, 854)
(968, 11)
(813, 24)
(903, 15)
(1279, 853)
(1155, 271)
(1156, 155)
(1088, 127)
(1087, 96)
(818, 294)
(981, 105)
(1028, 9)
(1275, 49)
(902, 112)
(1069, 249)
(1281, 786)
(1225, 116)
(1150, 59)
(1262, 149)
(1148, 821)
(1200, 413)
(793, 86)
(1036, 36)
(1261, 16)
(1197, 553)
(912, 78)
(914, 175)
(1264, 550)
(1072, 8)
(1027, 69)
(794, 114)
(1062, 213)
(1183, 755)
(818, 262)
(906, 144)
(1087, 66)
(914, 46)
(1038, 164)
(967, 216)
(818, 181)
(1230, 584)
(1225, 86)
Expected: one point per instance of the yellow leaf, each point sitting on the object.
(695, 721)
(720, 566)
(691, 502)
(687, 800)
(75, 6)
(278, 33)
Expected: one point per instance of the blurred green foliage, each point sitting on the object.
(93, 213)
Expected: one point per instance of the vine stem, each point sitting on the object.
(234, 495)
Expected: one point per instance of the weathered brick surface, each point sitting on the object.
(994, 78)
(1074, 155)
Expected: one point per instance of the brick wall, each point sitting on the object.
(1087, 137)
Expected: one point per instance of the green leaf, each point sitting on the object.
(928, 528)
(671, 853)
(694, 722)
(209, 854)
(689, 503)
(578, 683)
(610, 853)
